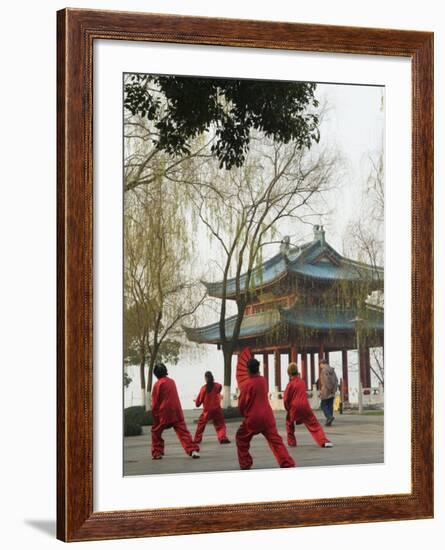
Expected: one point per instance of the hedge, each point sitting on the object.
(131, 428)
(231, 412)
(138, 415)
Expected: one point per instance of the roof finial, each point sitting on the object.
(319, 234)
(285, 246)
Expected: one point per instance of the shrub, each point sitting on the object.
(138, 415)
(131, 428)
(231, 412)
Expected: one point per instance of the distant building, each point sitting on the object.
(305, 300)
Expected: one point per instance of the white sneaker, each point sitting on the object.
(328, 445)
(195, 454)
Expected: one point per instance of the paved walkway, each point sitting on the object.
(357, 440)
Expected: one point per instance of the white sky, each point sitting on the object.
(354, 126)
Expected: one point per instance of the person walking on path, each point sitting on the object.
(258, 416)
(328, 384)
(299, 410)
(210, 398)
(167, 413)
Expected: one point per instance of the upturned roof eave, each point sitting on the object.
(232, 295)
(291, 267)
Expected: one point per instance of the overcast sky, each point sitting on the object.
(353, 124)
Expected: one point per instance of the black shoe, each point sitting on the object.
(330, 420)
(224, 441)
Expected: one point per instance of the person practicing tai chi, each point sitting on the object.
(210, 398)
(299, 410)
(258, 416)
(167, 413)
(327, 385)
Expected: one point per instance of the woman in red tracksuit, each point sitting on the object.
(254, 405)
(167, 413)
(299, 410)
(210, 398)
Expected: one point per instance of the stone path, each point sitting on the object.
(357, 440)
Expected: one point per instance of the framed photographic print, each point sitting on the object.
(245, 228)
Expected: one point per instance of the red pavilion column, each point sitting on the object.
(293, 354)
(277, 358)
(345, 374)
(362, 366)
(313, 379)
(304, 367)
(266, 368)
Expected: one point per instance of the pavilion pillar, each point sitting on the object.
(277, 360)
(266, 368)
(304, 367)
(362, 365)
(345, 374)
(293, 354)
(313, 380)
(326, 356)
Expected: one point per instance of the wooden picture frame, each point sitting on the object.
(77, 31)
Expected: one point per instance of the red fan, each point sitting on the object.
(242, 373)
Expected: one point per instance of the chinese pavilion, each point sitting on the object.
(304, 301)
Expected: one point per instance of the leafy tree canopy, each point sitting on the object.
(127, 380)
(181, 108)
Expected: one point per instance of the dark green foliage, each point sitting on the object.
(231, 412)
(127, 380)
(131, 428)
(138, 415)
(181, 108)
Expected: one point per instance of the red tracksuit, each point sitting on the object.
(211, 402)
(299, 412)
(167, 413)
(258, 418)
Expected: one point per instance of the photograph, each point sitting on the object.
(253, 274)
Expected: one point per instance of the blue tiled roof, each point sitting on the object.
(252, 325)
(315, 260)
(333, 318)
(270, 270)
(308, 317)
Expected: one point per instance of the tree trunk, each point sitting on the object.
(227, 353)
(142, 376)
(149, 386)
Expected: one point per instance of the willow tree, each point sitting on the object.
(243, 210)
(178, 129)
(364, 240)
(158, 290)
(158, 296)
